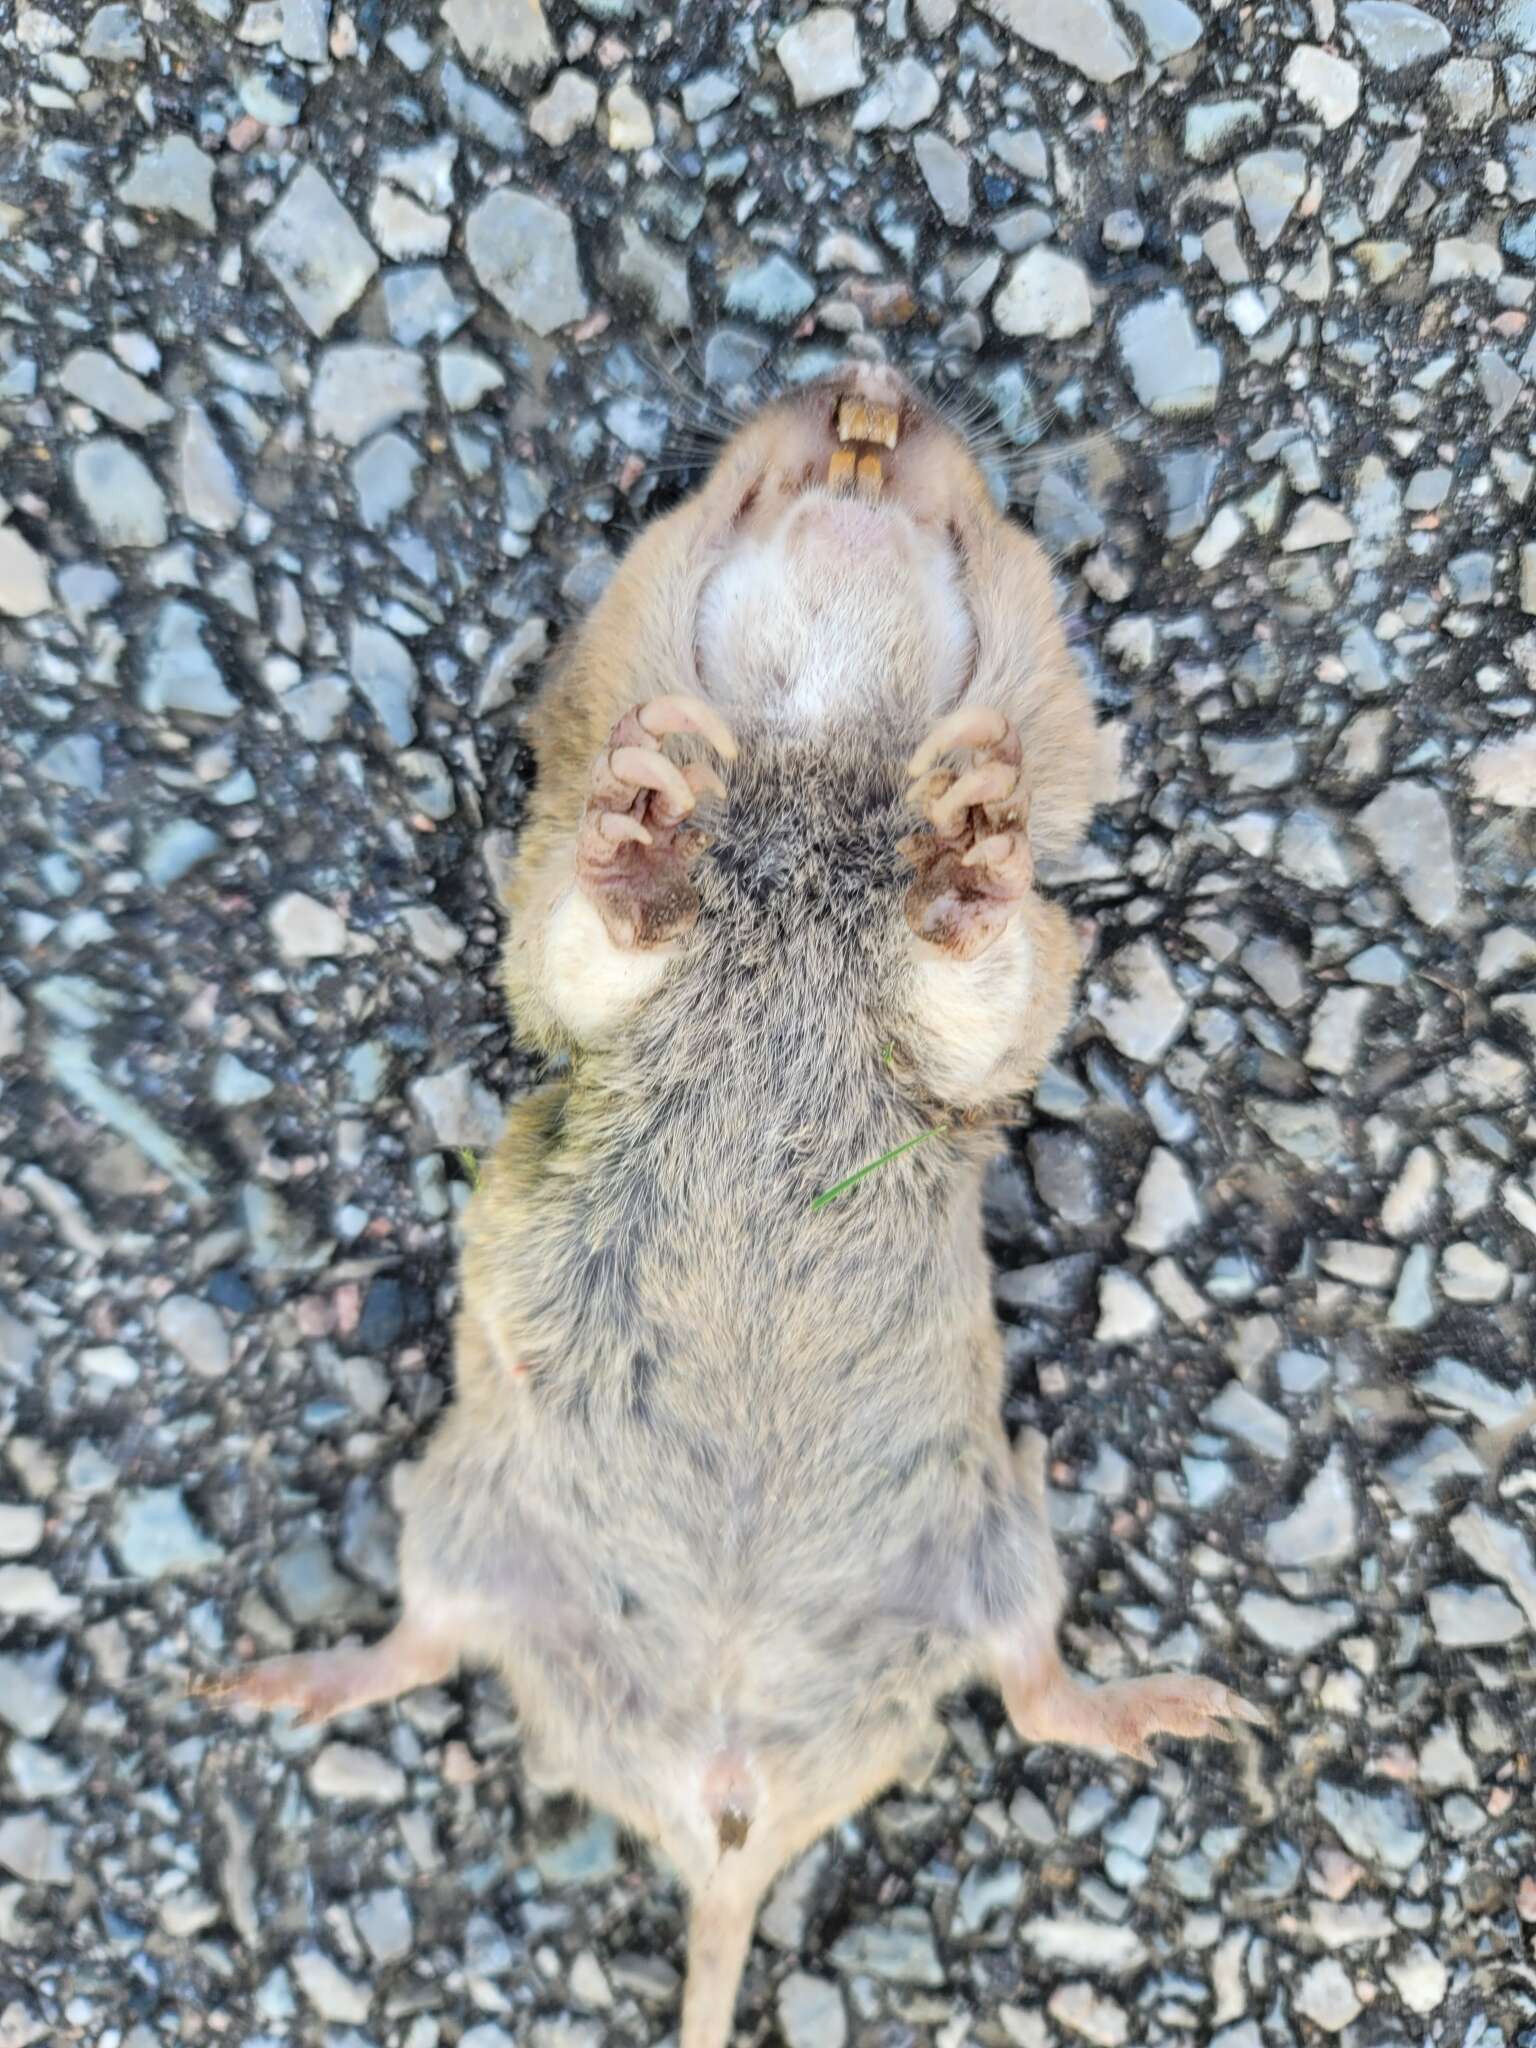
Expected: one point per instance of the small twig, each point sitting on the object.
(471, 1165)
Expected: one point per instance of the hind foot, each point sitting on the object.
(1046, 1703)
(319, 1684)
(632, 855)
(972, 854)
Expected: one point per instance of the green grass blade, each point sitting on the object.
(841, 1187)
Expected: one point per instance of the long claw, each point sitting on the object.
(703, 780)
(1239, 1709)
(988, 784)
(989, 852)
(973, 725)
(688, 714)
(619, 826)
(653, 771)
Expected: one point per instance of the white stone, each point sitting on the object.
(456, 1109)
(820, 55)
(361, 388)
(1090, 2014)
(568, 106)
(195, 1332)
(106, 387)
(21, 1528)
(1468, 1273)
(1126, 1310)
(1137, 1002)
(1337, 1024)
(347, 1770)
(1084, 1943)
(1220, 537)
(30, 1592)
(811, 2012)
(1172, 371)
(1329, 85)
(630, 127)
(1167, 1206)
(1473, 1617)
(1409, 826)
(1504, 771)
(1292, 1627)
(1320, 1529)
(1271, 183)
(316, 251)
(24, 590)
(1325, 1994)
(523, 250)
(120, 495)
(1420, 1978)
(207, 482)
(403, 229)
(1045, 293)
(1238, 1411)
(173, 176)
(334, 1995)
(1169, 26)
(305, 929)
(1396, 36)
(1317, 524)
(1082, 33)
(502, 36)
(1501, 1550)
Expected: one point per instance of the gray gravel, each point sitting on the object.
(340, 354)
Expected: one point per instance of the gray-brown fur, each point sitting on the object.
(725, 1494)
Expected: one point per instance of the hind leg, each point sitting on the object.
(319, 1684)
(1048, 1703)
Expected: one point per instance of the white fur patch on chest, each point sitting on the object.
(595, 985)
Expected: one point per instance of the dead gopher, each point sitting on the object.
(725, 1494)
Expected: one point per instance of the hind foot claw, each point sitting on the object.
(1050, 1705)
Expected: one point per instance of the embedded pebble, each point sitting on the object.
(92, 376)
(195, 1332)
(1327, 84)
(1046, 294)
(305, 929)
(811, 2012)
(523, 251)
(1173, 373)
(173, 176)
(1082, 33)
(347, 1771)
(155, 1535)
(315, 250)
(1410, 829)
(24, 587)
(820, 55)
(119, 494)
(1322, 1528)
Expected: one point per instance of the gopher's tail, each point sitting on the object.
(719, 1935)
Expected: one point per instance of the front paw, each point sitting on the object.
(634, 849)
(972, 854)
